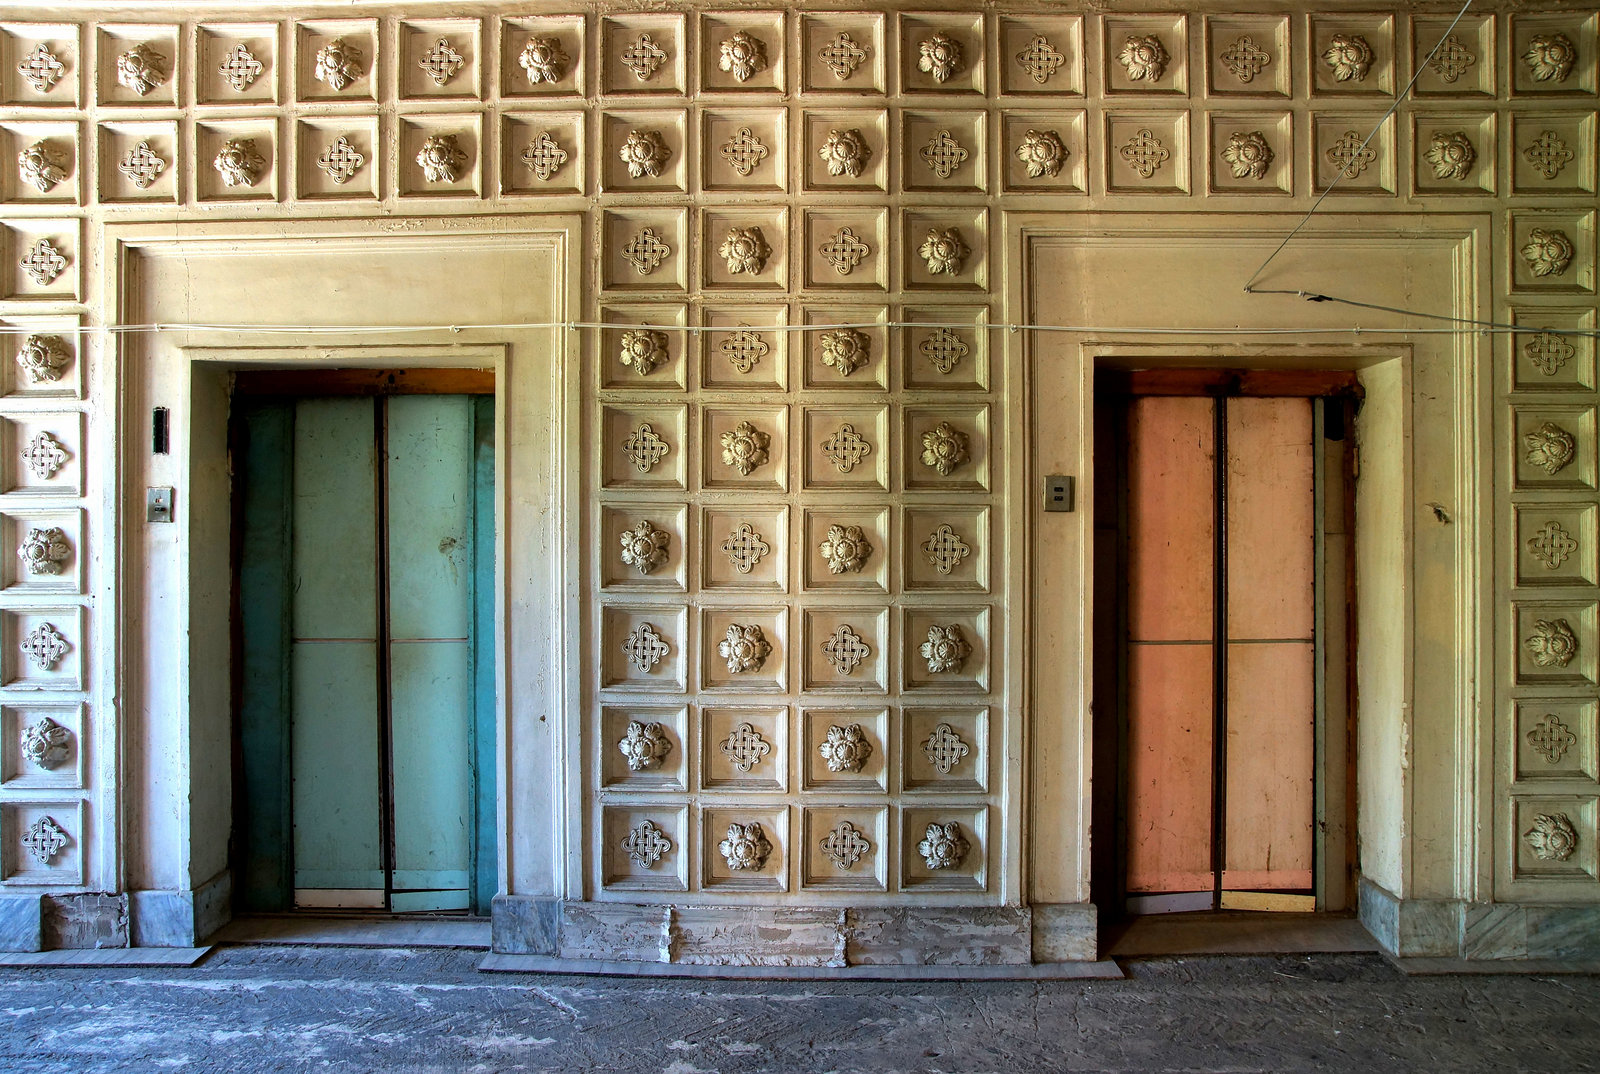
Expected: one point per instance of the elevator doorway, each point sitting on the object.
(1224, 608)
(364, 551)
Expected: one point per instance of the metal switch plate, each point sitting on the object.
(1058, 492)
(158, 504)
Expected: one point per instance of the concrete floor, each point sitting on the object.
(273, 1008)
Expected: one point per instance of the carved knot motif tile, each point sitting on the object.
(745, 548)
(944, 448)
(1042, 153)
(744, 447)
(1248, 155)
(1548, 352)
(43, 263)
(1552, 837)
(1040, 59)
(45, 550)
(845, 251)
(845, 846)
(141, 69)
(1144, 153)
(846, 448)
(846, 350)
(646, 844)
(943, 154)
(842, 56)
(945, 549)
(944, 749)
(240, 68)
(1452, 155)
(46, 743)
(1144, 58)
(142, 165)
(845, 650)
(642, 350)
(745, 251)
(644, 57)
(744, 151)
(341, 161)
(238, 162)
(644, 647)
(1552, 643)
(1551, 739)
(42, 165)
(1550, 57)
(441, 159)
(646, 251)
(42, 358)
(1551, 545)
(744, 349)
(846, 748)
(1351, 155)
(645, 153)
(943, 349)
(338, 64)
(742, 56)
(845, 548)
(746, 847)
(544, 156)
(1550, 447)
(944, 251)
(441, 62)
(44, 456)
(543, 60)
(1349, 57)
(1451, 60)
(644, 547)
(744, 747)
(1548, 251)
(1549, 154)
(644, 448)
(943, 846)
(644, 745)
(845, 152)
(946, 649)
(44, 839)
(44, 646)
(1245, 59)
(939, 56)
(744, 647)
(41, 69)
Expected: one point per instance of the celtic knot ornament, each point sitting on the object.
(746, 847)
(945, 549)
(1548, 251)
(46, 550)
(46, 743)
(44, 456)
(42, 165)
(845, 548)
(1245, 59)
(339, 63)
(1144, 153)
(846, 748)
(41, 69)
(1349, 57)
(1552, 643)
(1351, 155)
(944, 251)
(1551, 738)
(646, 251)
(946, 649)
(644, 647)
(744, 447)
(744, 151)
(44, 840)
(1549, 154)
(644, 745)
(43, 359)
(238, 162)
(441, 159)
(644, 58)
(745, 250)
(845, 152)
(842, 56)
(646, 844)
(1451, 59)
(43, 263)
(939, 56)
(644, 448)
(644, 547)
(1551, 545)
(744, 349)
(544, 157)
(846, 448)
(1552, 837)
(142, 166)
(944, 748)
(441, 62)
(341, 160)
(742, 56)
(744, 647)
(845, 845)
(1451, 155)
(943, 349)
(745, 747)
(745, 548)
(240, 68)
(943, 846)
(944, 448)
(846, 350)
(845, 650)
(1550, 57)
(1548, 352)
(844, 251)
(141, 69)
(1144, 58)
(44, 645)
(544, 61)
(645, 153)
(643, 349)
(943, 154)
(1042, 153)
(1248, 155)
(1549, 447)
(1040, 59)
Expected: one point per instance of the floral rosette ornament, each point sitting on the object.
(1451, 155)
(44, 358)
(1144, 58)
(1552, 643)
(338, 64)
(1548, 251)
(944, 251)
(45, 550)
(1550, 57)
(41, 165)
(1350, 57)
(746, 847)
(742, 56)
(946, 649)
(544, 60)
(644, 547)
(744, 447)
(441, 159)
(943, 846)
(643, 349)
(644, 745)
(1552, 837)
(141, 69)
(846, 748)
(944, 448)
(645, 154)
(238, 162)
(845, 548)
(1248, 155)
(1549, 447)
(845, 152)
(744, 647)
(1042, 153)
(939, 56)
(846, 349)
(745, 250)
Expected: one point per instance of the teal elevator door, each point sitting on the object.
(366, 652)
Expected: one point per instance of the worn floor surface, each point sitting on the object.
(253, 1009)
